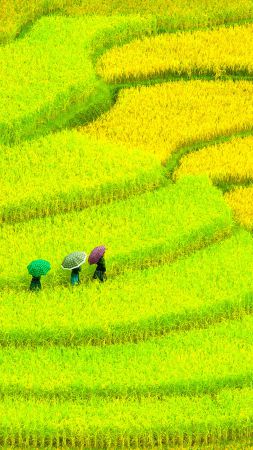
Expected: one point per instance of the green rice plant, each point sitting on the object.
(68, 170)
(186, 363)
(170, 15)
(146, 422)
(207, 286)
(144, 230)
(47, 78)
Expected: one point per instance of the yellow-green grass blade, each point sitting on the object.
(142, 231)
(48, 79)
(146, 422)
(209, 285)
(68, 170)
(186, 363)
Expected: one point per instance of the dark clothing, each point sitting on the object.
(75, 276)
(100, 270)
(35, 284)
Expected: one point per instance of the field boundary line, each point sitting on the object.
(194, 388)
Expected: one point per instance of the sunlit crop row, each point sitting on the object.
(166, 117)
(68, 170)
(14, 14)
(211, 283)
(241, 202)
(141, 231)
(144, 422)
(181, 363)
(216, 52)
(231, 161)
(48, 79)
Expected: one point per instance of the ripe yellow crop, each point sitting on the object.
(214, 52)
(229, 162)
(241, 202)
(166, 117)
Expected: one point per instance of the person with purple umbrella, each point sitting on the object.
(97, 257)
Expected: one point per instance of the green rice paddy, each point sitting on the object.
(159, 356)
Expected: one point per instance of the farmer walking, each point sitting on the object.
(73, 262)
(37, 268)
(97, 257)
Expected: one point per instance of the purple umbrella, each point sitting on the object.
(96, 254)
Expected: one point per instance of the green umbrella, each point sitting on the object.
(74, 260)
(38, 267)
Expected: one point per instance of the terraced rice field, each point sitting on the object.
(128, 125)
